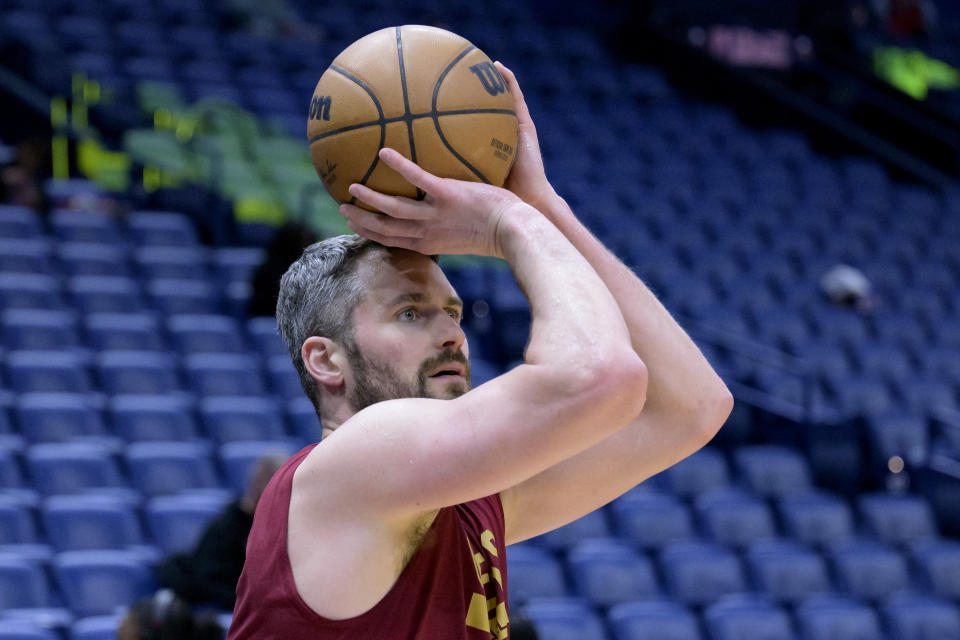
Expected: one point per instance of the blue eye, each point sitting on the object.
(407, 315)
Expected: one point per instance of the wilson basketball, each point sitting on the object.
(423, 91)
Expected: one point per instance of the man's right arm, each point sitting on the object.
(580, 383)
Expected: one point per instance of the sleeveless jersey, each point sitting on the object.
(453, 588)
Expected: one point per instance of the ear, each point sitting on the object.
(325, 360)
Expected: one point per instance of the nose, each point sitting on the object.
(451, 335)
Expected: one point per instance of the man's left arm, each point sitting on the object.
(686, 404)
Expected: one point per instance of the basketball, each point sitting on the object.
(426, 92)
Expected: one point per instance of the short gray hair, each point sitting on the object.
(318, 294)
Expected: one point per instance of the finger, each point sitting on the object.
(381, 223)
(410, 171)
(522, 112)
(385, 240)
(395, 206)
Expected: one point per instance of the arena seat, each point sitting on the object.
(72, 467)
(29, 291)
(95, 628)
(868, 570)
(591, 525)
(124, 332)
(565, 619)
(162, 468)
(137, 372)
(57, 417)
(534, 573)
(19, 222)
(914, 616)
(93, 259)
(651, 519)
(206, 333)
(900, 520)
(231, 418)
(84, 226)
(738, 616)
(697, 573)
(23, 583)
(17, 525)
(704, 470)
(215, 374)
(25, 255)
(38, 329)
(734, 518)
(607, 572)
(176, 522)
(174, 262)
(79, 522)
(152, 417)
(834, 618)
(99, 582)
(786, 571)
(105, 294)
(653, 620)
(938, 564)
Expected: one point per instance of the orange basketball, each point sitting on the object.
(423, 91)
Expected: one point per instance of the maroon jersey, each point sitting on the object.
(454, 588)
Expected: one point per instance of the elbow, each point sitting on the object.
(716, 411)
(619, 382)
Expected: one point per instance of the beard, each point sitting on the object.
(376, 381)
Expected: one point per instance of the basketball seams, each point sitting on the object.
(383, 126)
(407, 116)
(436, 116)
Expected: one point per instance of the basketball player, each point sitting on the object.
(395, 526)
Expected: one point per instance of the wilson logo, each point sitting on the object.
(493, 82)
(320, 107)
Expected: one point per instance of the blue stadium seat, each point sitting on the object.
(938, 564)
(898, 433)
(84, 226)
(10, 476)
(832, 618)
(698, 573)
(238, 459)
(124, 332)
(284, 379)
(17, 525)
(152, 417)
(591, 525)
(37, 329)
(176, 262)
(99, 582)
(534, 573)
(95, 628)
(161, 228)
(136, 372)
(651, 519)
(49, 371)
(653, 620)
(231, 418)
(57, 417)
(196, 333)
(606, 572)
(816, 518)
(215, 374)
(903, 520)
(734, 518)
(303, 421)
(736, 617)
(786, 571)
(93, 259)
(162, 468)
(925, 392)
(868, 570)
(149, 68)
(913, 616)
(29, 291)
(72, 467)
(564, 619)
(704, 470)
(266, 337)
(90, 522)
(773, 471)
(174, 296)
(236, 263)
(25, 255)
(176, 522)
(19, 222)
(105, 294)
(23, 583)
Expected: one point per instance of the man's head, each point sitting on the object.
(365, 323)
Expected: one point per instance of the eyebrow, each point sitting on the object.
(452, 301)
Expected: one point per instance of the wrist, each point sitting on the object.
(516, 222)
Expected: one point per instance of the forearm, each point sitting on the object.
(574, 315)
(681, 381)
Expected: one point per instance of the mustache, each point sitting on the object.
(446, 356)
